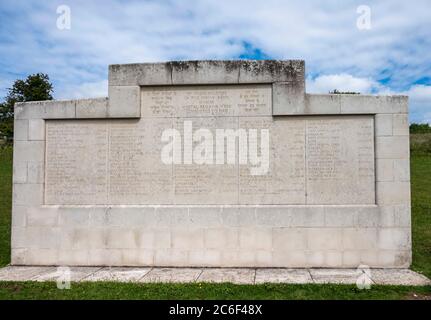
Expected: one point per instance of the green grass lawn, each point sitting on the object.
(421, 221)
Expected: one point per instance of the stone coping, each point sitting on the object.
(216, 275)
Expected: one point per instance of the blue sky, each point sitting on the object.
(392, 57)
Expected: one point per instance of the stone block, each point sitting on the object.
(384, 169)
(121, 238)
(20, 130)
(341, 216)
(92, 108)
(19, 216)
(28, 194)
(383, 124)
(204, 72)
(172, 216)
(324, 239)
(73, 216)
(44, 257)
(57, 109)
(239, 216)
(125, 216)
(18, 256)
(19, 172)
(264, 71)
(290, 259)
(124, 102)
(205, 217)
(222, 238)
(39, 216)
(389, 193)
(402, 169)
(43, 237)
(392, 147)
(368, 104)
(36, 129)
(140, 74)
(154, 238)
(288, 98)
(287, 239)
(401, 124)
(394, 238)
(204, 258)
(187, 238)
(35, 172)
(360, 238)
(171, 258)
(29, 150)
(18, 237)
(322, 104)
(100, 257)
(255, 238)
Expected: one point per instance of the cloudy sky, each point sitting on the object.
(393, 56)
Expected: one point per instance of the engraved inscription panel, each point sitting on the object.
(207, 101)
(76, 162)
(340, 160)
(308, 160)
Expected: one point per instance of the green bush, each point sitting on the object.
(420, 128)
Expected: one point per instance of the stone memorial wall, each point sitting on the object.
(212, 163)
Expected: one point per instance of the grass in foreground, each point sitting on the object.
(421, 228)
(421, 213)
(203, 291)
(5, 203)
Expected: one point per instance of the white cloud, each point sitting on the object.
(323, 33)
(85, 90)
(420, 103)
(341, 82)
(419, 95)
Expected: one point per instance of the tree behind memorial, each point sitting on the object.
(35, 87)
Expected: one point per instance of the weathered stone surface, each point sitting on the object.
(124, 102)
(238, 276)
(206, 72)
(283, 276)
(74, 274)
(248, 184)
(172, 275)
(15, 273)
(338, 276)
(118, 274)
(92, 108)
(402, 277)
(288, 98)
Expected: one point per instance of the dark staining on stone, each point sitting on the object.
(290, 69)
(184, 65)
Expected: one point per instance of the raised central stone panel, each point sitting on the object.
(311, 160)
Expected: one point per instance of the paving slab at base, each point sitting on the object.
(119, 274)
(75, 274)
(182, 275)
(214, 275)
(337, 276)
(219, 275)
(13, 273)
(399, 277)
(283, 276)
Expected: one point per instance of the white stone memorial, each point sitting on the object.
(212, 163)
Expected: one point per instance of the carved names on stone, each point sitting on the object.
(311, 160)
